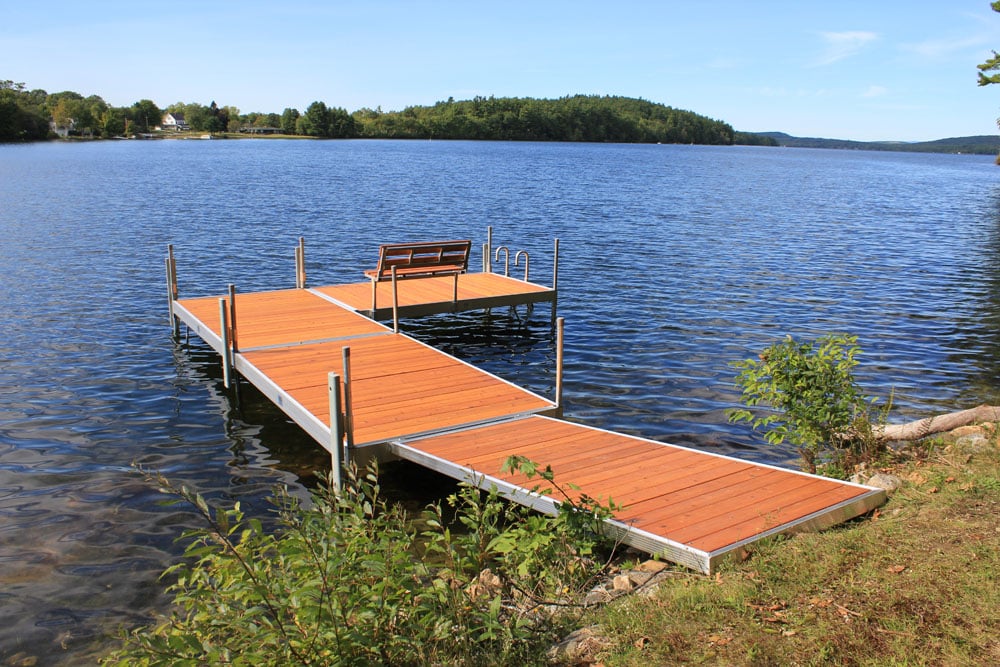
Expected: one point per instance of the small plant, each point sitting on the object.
(815, 403)
(341, 582)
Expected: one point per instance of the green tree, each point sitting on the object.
(810, 399)
(993, 64)
(315, 121)
(145, 115)
(23, 116)
(288, 118)
(112, 122)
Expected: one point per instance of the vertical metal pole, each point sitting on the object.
(560, 326)
(300, 256)
(486, 258)
(232, 318)
(395, 302)
(336, 430)
(555, 266)
(224, 327)
(348, 409)
(555, 280)
(175, 323)
(298, 267)
(489, 248)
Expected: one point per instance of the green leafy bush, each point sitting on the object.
(348, 581)
(813, 399)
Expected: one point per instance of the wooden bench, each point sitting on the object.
(426, 259)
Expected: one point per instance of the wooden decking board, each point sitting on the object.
(563, 455)
(714, 498)
(284, 316)
(693, 519)
(429, 295)
(693, 507)
(757, 524)
(709, 502)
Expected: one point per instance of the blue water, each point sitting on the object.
(675, 261)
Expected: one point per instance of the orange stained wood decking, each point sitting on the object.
(425, 296)
(282, 317)
(399, 387)
(690, 507)
(290, 340)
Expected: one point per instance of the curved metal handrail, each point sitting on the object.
(526, 259)
(506, 258)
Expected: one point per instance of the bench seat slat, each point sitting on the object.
(423, 259)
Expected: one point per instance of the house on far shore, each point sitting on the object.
(62, 130)
(175, 122)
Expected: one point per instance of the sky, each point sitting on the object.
(867, 70)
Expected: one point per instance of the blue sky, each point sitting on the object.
(850, 69)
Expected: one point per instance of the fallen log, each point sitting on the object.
(938, 424)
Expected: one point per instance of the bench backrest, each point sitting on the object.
(422, 259)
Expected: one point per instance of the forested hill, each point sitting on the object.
(982, 145)
(576, 118)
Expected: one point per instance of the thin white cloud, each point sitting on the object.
(842, 45)
(937, 48)
(875, 91)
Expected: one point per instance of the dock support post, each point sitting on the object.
(489, 250)
(560, 326)
(175, 323)
(555, 266)
(336, 431)
(224, 328)
(555, 279)
(395, 303)
(348, 409)
(300, 264)
(232, 319)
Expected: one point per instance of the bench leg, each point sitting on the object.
(374, 298)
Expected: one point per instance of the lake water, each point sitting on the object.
(675, 261)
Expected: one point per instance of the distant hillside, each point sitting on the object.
(575, 118)
(980, 145)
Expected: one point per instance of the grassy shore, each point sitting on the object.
(915, 583)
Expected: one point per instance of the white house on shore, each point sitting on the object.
(175, 122)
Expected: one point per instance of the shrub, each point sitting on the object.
(342, 583)
(815, 403)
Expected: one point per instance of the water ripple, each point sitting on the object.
(675, 261)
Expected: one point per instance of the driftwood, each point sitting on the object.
(938, 424)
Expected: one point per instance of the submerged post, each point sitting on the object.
(224, 328)
(336, 431)
(175, 324)
(560, 326)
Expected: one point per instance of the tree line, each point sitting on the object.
(25, 115)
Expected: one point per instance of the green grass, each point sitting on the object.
(915, 583)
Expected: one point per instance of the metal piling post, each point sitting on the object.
(336, 431)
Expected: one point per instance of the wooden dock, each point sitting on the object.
(399, 397)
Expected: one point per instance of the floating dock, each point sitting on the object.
(362, 389)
